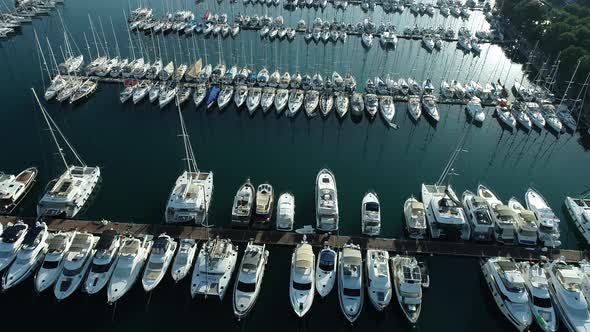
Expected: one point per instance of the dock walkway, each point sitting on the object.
(419, 247)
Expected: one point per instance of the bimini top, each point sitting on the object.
(251, 260)
(304, 257)
(12, 233)
(32, 237)
(351, 256)
(106, 239)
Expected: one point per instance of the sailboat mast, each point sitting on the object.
(59, 149)
(42, 55)
(569, 83)
(116, 42)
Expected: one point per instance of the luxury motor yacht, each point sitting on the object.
(444, 213)
(11, 241)
(161, 255)
(526, 223)
(350, 281)
(183, 260)
(326, 196)
(249, 279)
(264, 206)
(507, 286)
(103, 263)
(130, 262)
(214, 267)
(579, 210)
(68, 194)
(415, 217)
(253, 100)
(325, 272)
(285, 212)
(378, 278)
(504, 217)
(50, 269)
(407, 282)
(301, 285)
(242, 207)
(537, 285)
(566, 289)
(76, 263)
(548, 222)
(13, 189)
(370, 214)
(479, 215)
(29, 256)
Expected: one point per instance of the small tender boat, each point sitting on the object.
(161, 255)
(325, 272)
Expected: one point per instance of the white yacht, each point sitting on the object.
(160, 258)
(11, 241)
(475, 110)
(184, 258)
(301, 285)
(548, 221)
(326, 196)
(14, 188)
(192, 192)
(214, 267)
(566, 289)
(253, 100)
(325, 271)
(505, 115)
(503, 217)
(243, 205)
(350, 281)
(414, 107)
(415, 217)
(240, 95)
(506, 284)
(526, 223)
(76, 264)
(285, 212)
(444, 213)
(295, 101)
(69, 193)
(249, 279)
(479, 215)
(378, 278)
(130, 261)
(281, 100)
(579, 210)
(29, 257)
(50, 269)
(407, 282)
(371, 214)
(537, 285)
(265, 198)
(103, 263)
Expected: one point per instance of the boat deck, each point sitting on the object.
(420, 247)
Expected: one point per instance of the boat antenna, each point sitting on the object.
(50, 122)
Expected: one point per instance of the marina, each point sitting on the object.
(155, 177)
(23, 12)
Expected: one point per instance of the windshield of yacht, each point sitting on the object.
(100, 268)
(246, 287)
(372, 206)
(74, 272)
(301, 287)
(155, 266)
(540, 302)
(351, 292)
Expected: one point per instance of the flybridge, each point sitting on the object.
(424, 247)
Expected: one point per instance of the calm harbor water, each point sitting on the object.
(141, 156)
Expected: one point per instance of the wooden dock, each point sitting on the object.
(418, 247)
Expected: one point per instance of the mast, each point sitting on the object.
(106, 44)
(93, 36)
(42, 56)
(569, 83)
(52, 55)
(116, 42)
(130, 40)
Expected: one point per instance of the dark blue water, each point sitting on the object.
(141, 155)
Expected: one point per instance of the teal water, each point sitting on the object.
(141, 156)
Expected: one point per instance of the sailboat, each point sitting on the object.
(68, 194)
(192, 192)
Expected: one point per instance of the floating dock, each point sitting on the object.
(270, 237)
